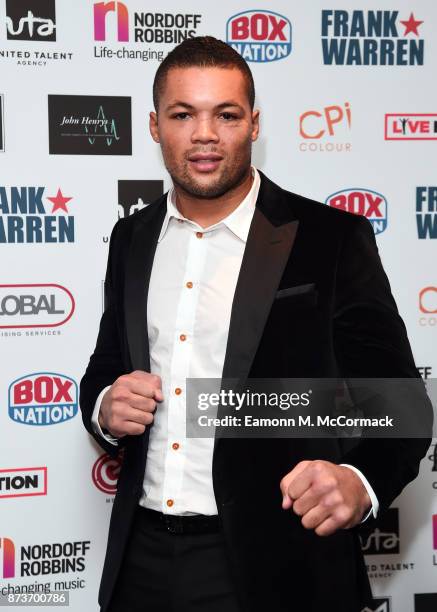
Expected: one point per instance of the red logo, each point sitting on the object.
(23, 482)
(105, 473)
(410, 127)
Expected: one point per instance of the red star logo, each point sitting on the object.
(59, 202)
(411, 25)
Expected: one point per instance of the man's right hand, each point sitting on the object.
(128, 405)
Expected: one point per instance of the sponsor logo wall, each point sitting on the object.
(347, 97)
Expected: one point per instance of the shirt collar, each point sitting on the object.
(238, 221)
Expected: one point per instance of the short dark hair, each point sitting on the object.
(205, 52)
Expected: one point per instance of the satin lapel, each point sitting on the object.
(267, 251)
(138, 270)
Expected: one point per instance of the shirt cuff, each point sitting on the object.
(95, 419)
(375, 503)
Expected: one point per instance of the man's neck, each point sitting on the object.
(206, 212)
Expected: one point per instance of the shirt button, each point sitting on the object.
(175, 446)
(182, 337)
(178, 390)
(169, 503)
(189, 285)
(199, 234)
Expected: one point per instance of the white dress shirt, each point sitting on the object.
(192, 285)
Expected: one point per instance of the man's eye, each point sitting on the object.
(181, 116)
(228, 116)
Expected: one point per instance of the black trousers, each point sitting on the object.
(167, 572)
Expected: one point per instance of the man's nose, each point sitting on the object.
(204, 131)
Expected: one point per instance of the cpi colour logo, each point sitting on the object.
(259, 36)
(359, 201)
(44, 398)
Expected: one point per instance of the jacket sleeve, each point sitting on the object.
(370, 341)
(106, 363)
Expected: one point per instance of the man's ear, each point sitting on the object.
(255, 125)
(153, 126)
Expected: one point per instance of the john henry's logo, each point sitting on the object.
(380, 604)
(384, 539)
(370, 204)
(101, 9)
(425, 602)
(35, 305)
(24, 217)
(426, 212)
(7, 550)
(410, 127)
(135, 195)
(23, 482)
(259, 36)
(428, 300)
(31, 20)
(2, 129)
(105, 473)
(90, 125)
(44, 398)
(371, 38)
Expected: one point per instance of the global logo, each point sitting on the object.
(371, 38)
(105, 473)
(35, 305)
(44, 398)
(370, 204)
(24, 217)
(259, 36)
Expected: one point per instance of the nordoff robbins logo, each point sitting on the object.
(44, 398)
(35, 305)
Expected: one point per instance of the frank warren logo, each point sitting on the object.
(136, 195)
(23, 482)
(105, 473)
(379, 604)
(44, 398)
(90, 125)
(366, 202)
(383, 539)
(26, 218)
(426, 212)
(371, 38)
(2, 125)
(43, 559)
(31, 20)
(425, 602)
(410, 127)
(259, 35)
(35, 305)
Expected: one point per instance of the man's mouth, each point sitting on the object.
(205, 162)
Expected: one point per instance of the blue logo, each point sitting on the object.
(259, 36)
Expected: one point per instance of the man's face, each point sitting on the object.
(206, 128)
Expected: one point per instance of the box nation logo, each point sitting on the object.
(371, 38)
(370, 204)
(259, 36)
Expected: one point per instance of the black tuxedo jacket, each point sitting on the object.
(337, 319)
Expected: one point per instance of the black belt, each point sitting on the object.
(197, 523)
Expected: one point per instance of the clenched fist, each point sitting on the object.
(128, 406)
(327, 496)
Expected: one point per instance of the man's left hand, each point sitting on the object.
(327, 496)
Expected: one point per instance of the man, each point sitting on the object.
(230, 276)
